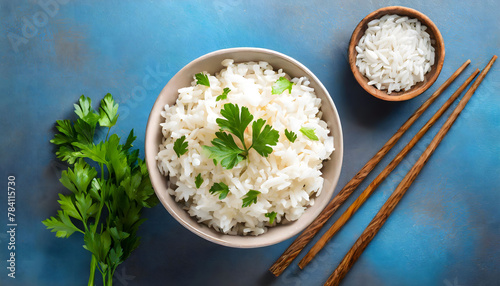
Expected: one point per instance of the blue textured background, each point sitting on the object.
(446, 230)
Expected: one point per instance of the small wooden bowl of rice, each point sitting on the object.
(189, 109)
(396, 53)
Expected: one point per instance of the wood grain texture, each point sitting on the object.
(382, 176)
(308, 234)
(381, 217)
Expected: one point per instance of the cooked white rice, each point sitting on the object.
(288, 179)
(395, 53)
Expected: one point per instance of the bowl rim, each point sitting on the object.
(394, 10)
(151, 152)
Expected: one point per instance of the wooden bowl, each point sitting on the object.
(429, 77)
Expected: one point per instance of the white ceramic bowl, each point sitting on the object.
(212, 63)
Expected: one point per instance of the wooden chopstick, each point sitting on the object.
(383, 175)
(308, 234)
(381, 217)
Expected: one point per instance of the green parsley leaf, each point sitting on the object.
(84, 204)
(292, 136)
(66, 153)
(132, 157)
(78, 179)
(118, 234)
(202, 79)
(84, 131)
(64, 126)
(131, 184)
(236, 122)
(225, 151)
(271, 216)
(98, 243)
(146, 187)
(68, 206)
(220, 188)
(262, 139)
(94, 152)
(130, 139)
(250, 198)
(60, 139)
(85, 111)
(115, 255)
(67, 134)
(223, 96)
(198, 181)
(281, 85)
(309, 133)
(108, 112)
(61, 225)
(180, 146)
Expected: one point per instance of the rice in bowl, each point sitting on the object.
(288, 179)
(395, 53)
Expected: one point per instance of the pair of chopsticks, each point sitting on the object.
(296, 247)
(308, 234)
(381, 217)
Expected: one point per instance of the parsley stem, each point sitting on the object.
(242, 140)
(101, 203)
(245, 153)
(110, 277)
(109, 211)
(103, 275)
(98, 217)
(93, 265)
(102, 171)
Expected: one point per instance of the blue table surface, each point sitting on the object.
(445, 231)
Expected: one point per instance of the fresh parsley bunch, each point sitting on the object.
(104, 205)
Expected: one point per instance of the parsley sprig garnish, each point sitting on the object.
(224, 94)
(225, 150)
(220, 188)
(180, 146)
(271, 216)
(104, 205)
(290, 135)
(198, 181)
(202, 79)
(309, 133)
(281, 85)
(250, 198)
